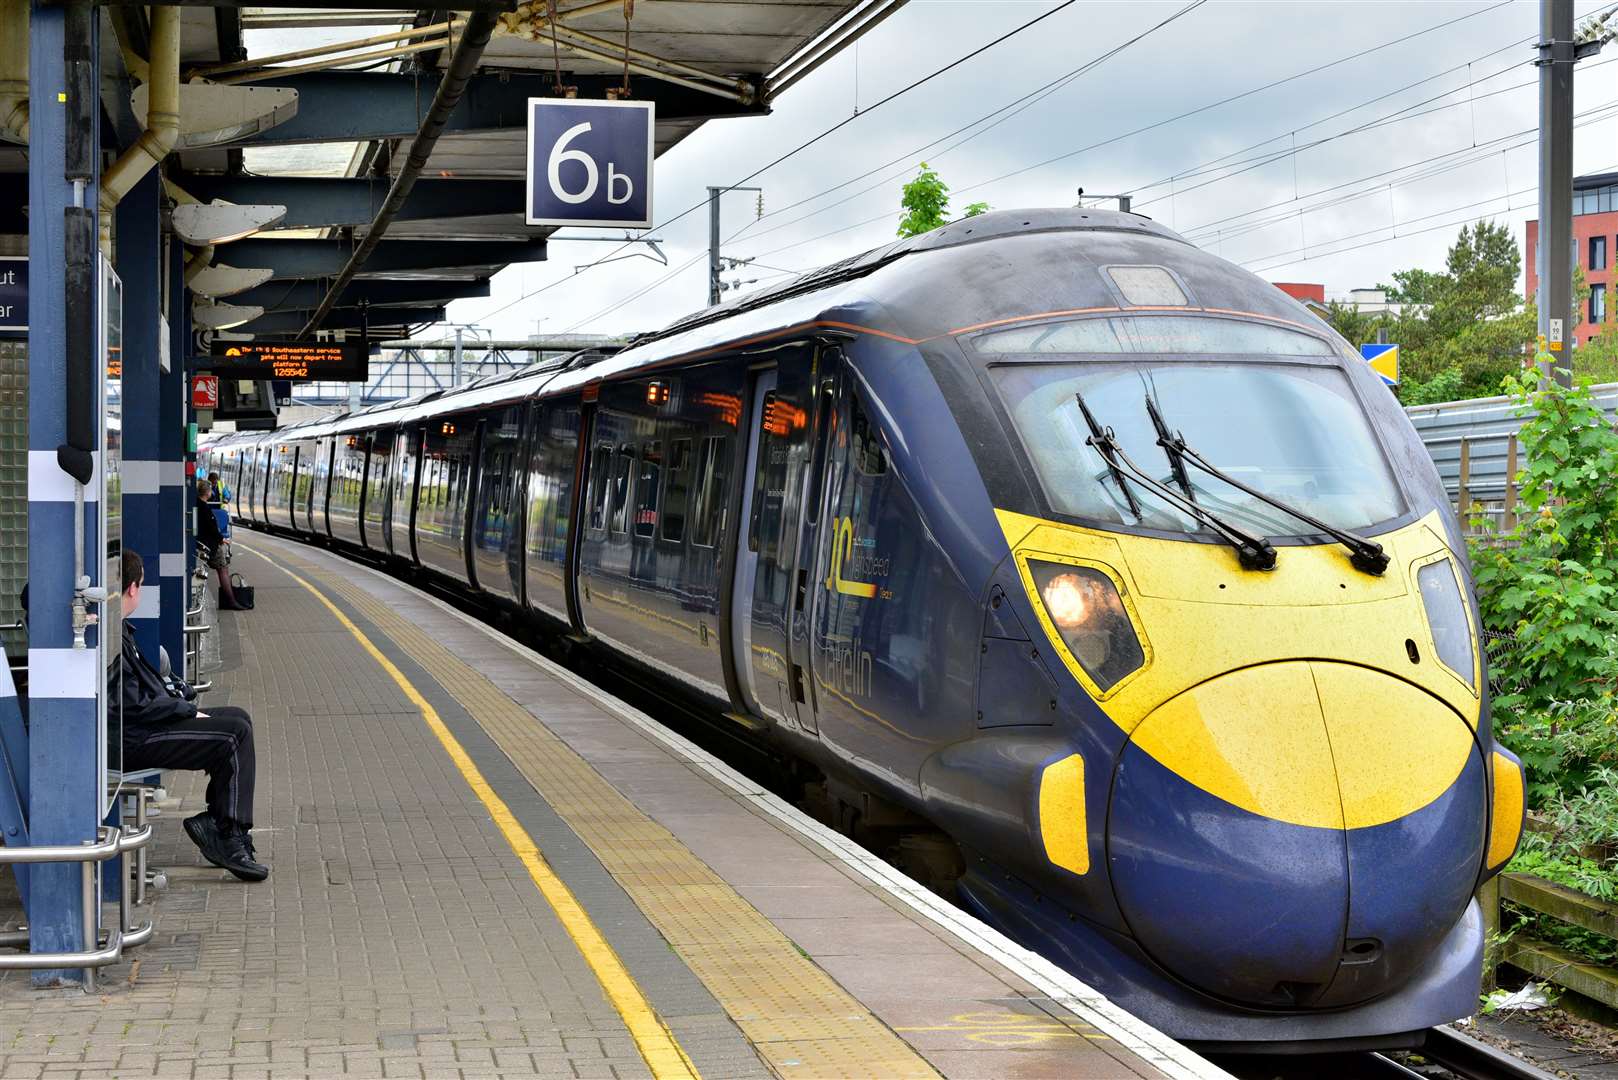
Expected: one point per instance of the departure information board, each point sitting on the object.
(300, 361)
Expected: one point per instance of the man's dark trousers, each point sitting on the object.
(221, 744)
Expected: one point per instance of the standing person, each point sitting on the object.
(162, 730)
(220, 488)
(208, 536)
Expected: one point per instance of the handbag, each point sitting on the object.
(243, 591)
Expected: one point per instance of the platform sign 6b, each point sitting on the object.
(590, 162)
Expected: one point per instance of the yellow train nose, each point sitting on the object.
(1274, 831)
(1311, 743)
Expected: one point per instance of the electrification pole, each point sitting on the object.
(1554, 258)
(713, 245)
(715, 285)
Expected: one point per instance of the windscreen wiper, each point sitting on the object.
(1366, 555)
(1253, 552)
(1096, 435)
(1176, 462)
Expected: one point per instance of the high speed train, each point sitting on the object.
(1086, 547)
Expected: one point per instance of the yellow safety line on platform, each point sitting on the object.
(652, 1038)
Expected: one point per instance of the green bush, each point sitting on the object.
(1553, 581)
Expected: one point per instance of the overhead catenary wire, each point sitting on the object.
(1004, 113)
(1360, 54)
(1285, 260)
(1206, 230)
(1468, 155)
(1024, 99)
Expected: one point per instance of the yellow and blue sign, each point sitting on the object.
(1384, 360)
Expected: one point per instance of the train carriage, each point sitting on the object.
(1092, 550)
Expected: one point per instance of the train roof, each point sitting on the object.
(1000, 265)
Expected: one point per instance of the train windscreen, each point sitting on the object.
(1294, 431)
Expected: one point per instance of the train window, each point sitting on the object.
(1182, 334)
(817, 465)
(767, 417)
(623, 467)
(676, 491)
(866, 445)
(646, 488)
(1147, 286)
(713, 475)
(600, 470)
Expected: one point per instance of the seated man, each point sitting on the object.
(162, 730)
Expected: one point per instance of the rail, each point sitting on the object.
(193, 647)
(1472, 1059)
(112, 842)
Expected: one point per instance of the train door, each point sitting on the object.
(746, 577)
(770, 651)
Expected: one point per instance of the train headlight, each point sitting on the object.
(1084, 606)
(1446, 617)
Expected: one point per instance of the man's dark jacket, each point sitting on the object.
(147, 701)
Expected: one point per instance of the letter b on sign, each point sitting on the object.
(590, 162)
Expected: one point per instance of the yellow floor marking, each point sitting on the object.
(654, 1040)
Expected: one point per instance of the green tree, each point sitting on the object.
(926, 204)
(1460, 330)
(1416, 286)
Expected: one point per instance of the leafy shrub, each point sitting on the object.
(1553, 581)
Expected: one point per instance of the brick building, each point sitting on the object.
(1595, 237)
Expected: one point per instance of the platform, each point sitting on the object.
(484, 866)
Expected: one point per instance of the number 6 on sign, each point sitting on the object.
(590, 162)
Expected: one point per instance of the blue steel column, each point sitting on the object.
(181, 559)
(171, 529)
(63, 682)
(137, 261)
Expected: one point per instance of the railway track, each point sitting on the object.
(1472, 1059)
(1445, 1054)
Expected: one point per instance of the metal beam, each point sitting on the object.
(316, 201)
(458, 76)
(358, 5)
(349, 106)
(305, 295)
(542, 342)
(300, 259)
(290, 322)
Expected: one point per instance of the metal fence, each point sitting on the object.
(1474, 444)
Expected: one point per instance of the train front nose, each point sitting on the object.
(1297, 833)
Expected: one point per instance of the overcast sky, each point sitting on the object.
(1345, 212)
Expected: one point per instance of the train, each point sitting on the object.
(1091, 550)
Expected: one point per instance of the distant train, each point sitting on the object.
(1092, 549)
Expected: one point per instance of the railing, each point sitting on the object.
(1544, 961)
(1485, 485)
(100, 949)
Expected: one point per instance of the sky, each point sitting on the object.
(1340, 176)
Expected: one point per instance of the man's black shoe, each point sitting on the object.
(237, 859)
(204, 832)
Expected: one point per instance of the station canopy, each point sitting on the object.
(329, 133)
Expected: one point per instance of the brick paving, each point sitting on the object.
(398, 936)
